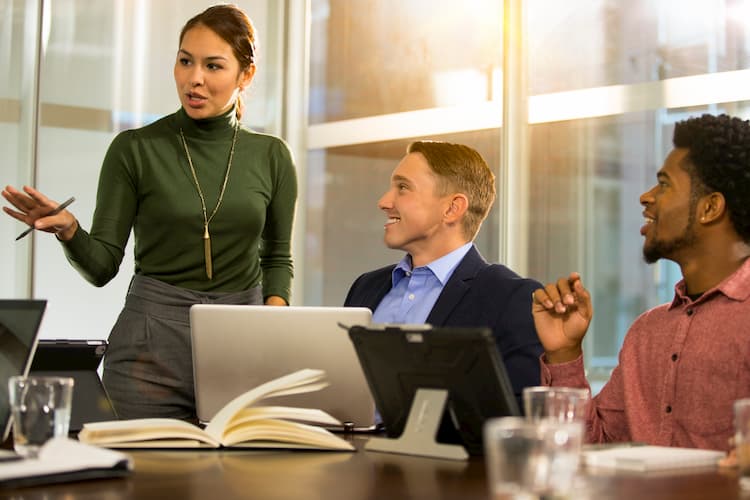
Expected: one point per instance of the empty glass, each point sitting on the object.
(40, 408)
(535, 402)
(568, 404)
(564, 404)
(742, 440)
(528, 459)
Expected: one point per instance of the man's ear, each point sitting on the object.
(457, 207)
(711, 207)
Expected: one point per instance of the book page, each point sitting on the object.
(305, 415)
(286, 432)
(144, 429)
(301, 381)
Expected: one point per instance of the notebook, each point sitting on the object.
(80, 360)
(19, 328)
(236, 348)
(650, 458)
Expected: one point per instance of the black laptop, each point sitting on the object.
(19, 327)
(79, 359)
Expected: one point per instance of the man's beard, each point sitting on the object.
(659, 249)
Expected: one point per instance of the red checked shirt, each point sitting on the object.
(681, 367)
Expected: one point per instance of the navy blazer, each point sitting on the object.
(477, 294)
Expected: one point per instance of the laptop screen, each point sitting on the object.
(19, 327)
(236, 348)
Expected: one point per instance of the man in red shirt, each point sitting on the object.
(683, 363)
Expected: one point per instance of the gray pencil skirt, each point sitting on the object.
(148, 367)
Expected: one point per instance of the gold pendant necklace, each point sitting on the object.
(207, 218)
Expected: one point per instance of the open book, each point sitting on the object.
(238, 424)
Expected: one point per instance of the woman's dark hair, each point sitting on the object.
(234, 27)
(719, 160)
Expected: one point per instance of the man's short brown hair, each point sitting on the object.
(460, 169)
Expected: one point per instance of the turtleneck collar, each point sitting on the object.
(214, 127)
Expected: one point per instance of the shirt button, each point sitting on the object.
(674, 357)
(669, 409)
(408, 273)
(689, 311)
(411, 296)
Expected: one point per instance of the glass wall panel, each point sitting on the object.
(344, 225)
(107, 66)
(589, 43)
(586, 171)
(587, 177)
(372, 57)
(587, 174)
(17, 28)
(10, 50)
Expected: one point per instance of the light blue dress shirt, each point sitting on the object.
(415, 291)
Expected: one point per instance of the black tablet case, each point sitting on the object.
(465, 361)
(80, 360)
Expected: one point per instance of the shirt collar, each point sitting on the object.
(736, 286)
(442, 268)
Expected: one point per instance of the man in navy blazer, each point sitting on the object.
(438, 197)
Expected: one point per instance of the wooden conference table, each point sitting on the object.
(269, 475)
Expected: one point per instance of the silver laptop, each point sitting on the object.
(236, 348)
(19, 328)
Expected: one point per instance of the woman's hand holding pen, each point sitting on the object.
(33, 209)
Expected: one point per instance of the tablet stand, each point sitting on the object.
(420, 430)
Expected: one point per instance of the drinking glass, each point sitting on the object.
(528, 459)
(535, 402)
(564, 404)
(40, 408)
(742, 440)
(568, 404)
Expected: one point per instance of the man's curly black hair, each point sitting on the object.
(720, 159)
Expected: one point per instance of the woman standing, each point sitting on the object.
(211, 207)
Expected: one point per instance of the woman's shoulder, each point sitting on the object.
(258, 137)
(158, 127)
(273, 145)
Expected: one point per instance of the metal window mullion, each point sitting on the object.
(513, 182)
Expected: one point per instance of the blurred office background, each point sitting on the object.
(571, 102)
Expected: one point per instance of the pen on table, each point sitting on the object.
(62, 206)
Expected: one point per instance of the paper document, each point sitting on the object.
(61, 460)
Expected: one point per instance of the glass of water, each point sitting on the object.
(40, 408)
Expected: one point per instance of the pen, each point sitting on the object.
(62, 206)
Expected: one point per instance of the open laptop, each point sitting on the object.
(236, 348)
(19, 328)
(80, 360)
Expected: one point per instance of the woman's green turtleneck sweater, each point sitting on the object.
(146, 184)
